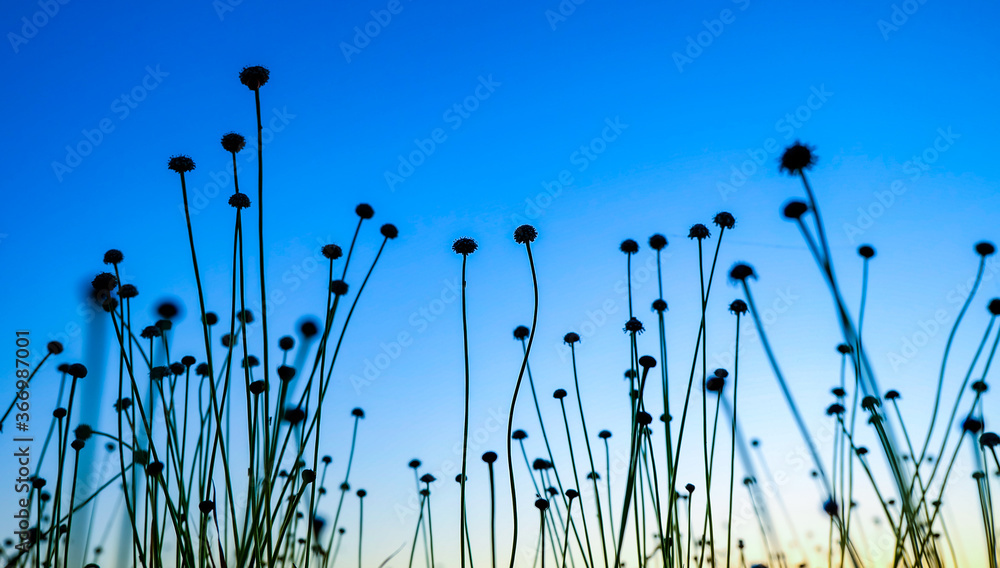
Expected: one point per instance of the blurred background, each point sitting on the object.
(594, 121)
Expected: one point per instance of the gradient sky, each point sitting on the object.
(595, 121)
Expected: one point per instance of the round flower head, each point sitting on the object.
(177, 369)
(972, 425)
(181, 164)
(244, 316)
(985, 248)
(724, 220)
(113, 256)
(541, 504)
(715, 384)
(540, 464)
(308, 476)
(525, 234)
(738, 307)
(458, 478)
(593, 475)
(201, 370)
(994, 306)
(629, 246)
(647, 362)
(332, 252)
(866, 251)
(572, 494)
(869, 403)
(286, 373)
(835, 409)
(657, 242)
(560, 394)
(428, 478)
(699, 231)
(104, 282)
(308, 328)
(254, 77)
(604, 434)
(490, 457)
(689, 487)
(630, 374)
(239, 200)
(154, 469)
(844, 349)
(294, 415)
(797, 157)
(721, 373)
(358, 413)
(521, 332)
(891, 394)
(206, 506)
(338, 288)
(168, 310)
(838, 392)
(831, 508)
(187, 360)
(980, 386)
(54, 347)
(389, 231)
(77, 371)
(571, 338)
(286, 343)
(83, 432)
(251, 361)
(989, 439)
(159, 372)
(364, 211)
(211, 318)
(659, 305)
(464, 246)
(414, 463)
(519, 435)
(741, 271)
(128, 291)
(233, 142)
(256, 387)
(633, 325)
(794, 209)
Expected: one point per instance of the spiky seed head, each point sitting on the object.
(724, 220)
(629, 246)
(254, 77)
(658, 242)
(181, 164)
(797, 157)
(233, 142)
(525, 234)
(464, 246)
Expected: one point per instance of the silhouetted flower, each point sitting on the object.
(629, 246)
(866, 251)
(167, 309)
(796, 158)
(364, 211)
(985, 248)
(795, 209)
(254, 77)
(389, 231)
(104, 282)
(294, 415)
(643, 418)
(338, 288)
(251, 361)
(571, 338)
(201, 370)
(721, 373)
(972, 425)
(181, 164)
(244, 316)
(838, 392)
(177, 369)
(869, 403)
(77, 371)
(211, 318)
(699, 231)
(206, 506)
(633, 325)
(414, 463)
(892, 394)
(647, 362)
(979, 386)
(994, 306)
(738, 307)
(541, 504)
(724, 220)
(154, 469)
(490, 457)
(604, 434)
(521, 332)
(689, 487)
(525, 234)
(332, 252)
(539, 464)
(861, 451)
(187, 360)
(715, 384)
(239, 200)
(659, 305)
(128, 291)
(428, 478)
(657, 242)
(358, 413)
(464, 246)
(113, 256)
(286, 343)
(233, 142)
(158, 372)
(741, 271)
(308, 476)
(308, 328)
(834, 408)
(844, 349)
(572, 494)
(286, 373)
(831, 508)
(519, 435)
(989, 439)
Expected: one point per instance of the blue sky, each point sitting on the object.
(595, 121)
